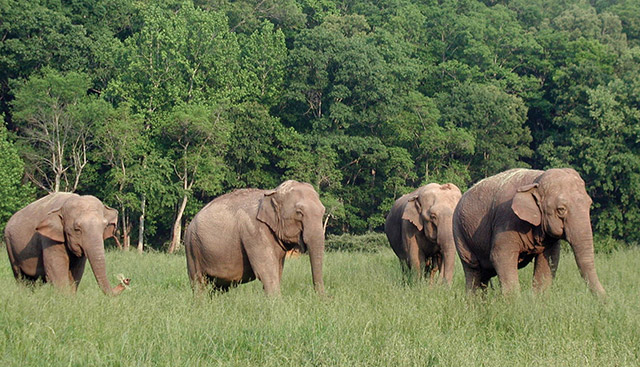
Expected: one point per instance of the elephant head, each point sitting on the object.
(294, 213)
(558, 203)
(430, 210)
(82, 223)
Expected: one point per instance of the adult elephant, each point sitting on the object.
(245, 235)
(505, 221)
(51, 239)
(419, 230)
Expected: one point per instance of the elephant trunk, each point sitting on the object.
(447, 248)
(313, 238)
(94, 249)
(581, 241)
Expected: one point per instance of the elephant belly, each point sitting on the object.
(230, 266)
(29, 260)
(32, 268)
(524, 259)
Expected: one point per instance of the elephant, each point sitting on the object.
(245, 234)
(51, 239)
(505, 221)
(419, 230)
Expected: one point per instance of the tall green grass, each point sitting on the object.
(372, 318)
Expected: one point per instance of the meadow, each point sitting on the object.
(371, 318)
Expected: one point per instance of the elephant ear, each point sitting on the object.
(51, 227)
(268, 210)
(412, 212)
(525, 204)
(111, 215)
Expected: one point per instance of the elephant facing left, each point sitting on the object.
(51, 239)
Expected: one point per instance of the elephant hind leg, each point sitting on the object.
(476, 278)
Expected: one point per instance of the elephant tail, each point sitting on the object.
(193, 265)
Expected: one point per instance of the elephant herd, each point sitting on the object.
(499, 225)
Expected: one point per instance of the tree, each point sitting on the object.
(496, 120)
(122, 142)
(37, 34)
(196, 138)
(187, 55)
(56, 118)
(263, 56)
(601, 141)
(13, 192)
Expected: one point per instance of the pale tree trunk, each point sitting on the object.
(126, 236)
(126, 227)
(177, 226)
(326, 222)
(118, 244)
(141, 232)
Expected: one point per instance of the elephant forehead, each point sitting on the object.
(569, 186)
(444, 208)
(84, 203)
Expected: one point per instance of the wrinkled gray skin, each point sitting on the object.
(51, 239)
(505, 221)
(420, 232)
(245, 234)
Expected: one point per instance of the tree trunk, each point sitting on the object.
(141, 232)
(126, 236)
(177, 226)
(125, 231)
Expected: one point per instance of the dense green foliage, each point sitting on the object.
(368, 242)
(15, 195)
(159, 106)
(372, 318)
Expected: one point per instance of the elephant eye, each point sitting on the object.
(434, 217)
(562, 211)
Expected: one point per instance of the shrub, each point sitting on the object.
(368, 242)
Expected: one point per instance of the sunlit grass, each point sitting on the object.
(372, 317)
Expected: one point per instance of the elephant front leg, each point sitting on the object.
(416, 260)
(505, 261)
(545, 267)
(433, 266)
(265, 264)
(76, 266)
(473, 278)
(56, 265)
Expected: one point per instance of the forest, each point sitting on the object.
(157, 107)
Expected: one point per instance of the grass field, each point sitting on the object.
(372, 318)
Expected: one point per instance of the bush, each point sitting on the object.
(606, 244)
(368, 242)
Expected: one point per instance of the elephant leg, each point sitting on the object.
(545, 267)
(417, 260)
(432, 265)
(473, 278)
(265, 265)
(56, 265)
(281, 267)
(505, 261)
(76, 266)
